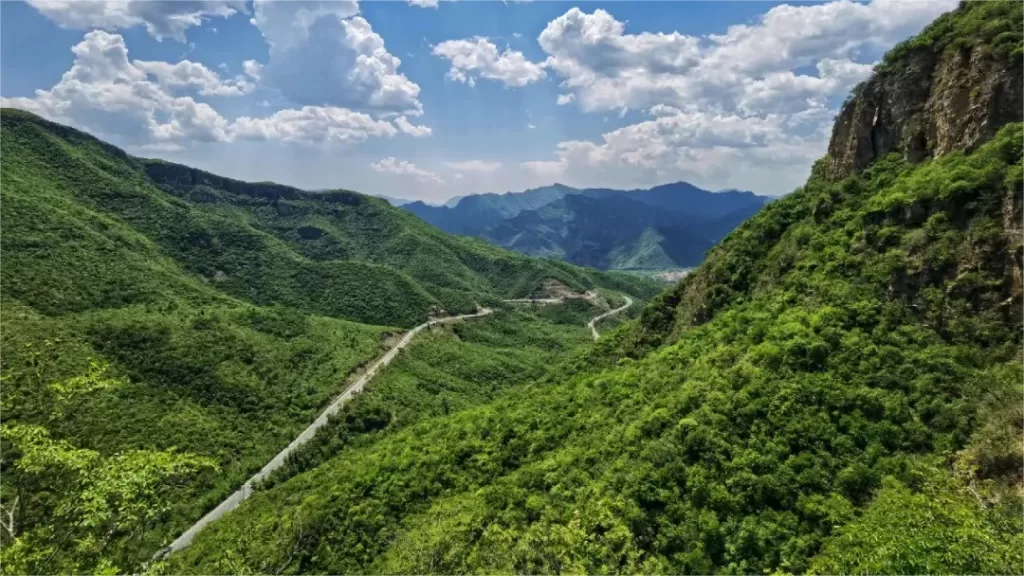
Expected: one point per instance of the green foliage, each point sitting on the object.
(221, 309)
(448, 370)
(995, 27)
(757, 418)
(833, 390)
(115, 231)
(940, 529)
(71, 510)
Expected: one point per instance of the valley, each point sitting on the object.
(236, 498)
(214, 319)
(206, 375)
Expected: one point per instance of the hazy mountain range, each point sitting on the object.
(667, 226)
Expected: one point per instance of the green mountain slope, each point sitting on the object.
(166, 331)
(335, 253)
(837, 389)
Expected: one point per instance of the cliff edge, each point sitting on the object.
(950, 88)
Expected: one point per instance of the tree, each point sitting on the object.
(66, 509)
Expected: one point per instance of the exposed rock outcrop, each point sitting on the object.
(928, 100)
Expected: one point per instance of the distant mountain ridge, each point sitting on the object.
(666, 226)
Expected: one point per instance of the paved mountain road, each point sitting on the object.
(243, 493)
(593, 321)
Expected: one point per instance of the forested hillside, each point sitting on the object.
(167, 331)
(836, 389)
(336, 253)
(664, 227)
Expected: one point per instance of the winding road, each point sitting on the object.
(593, 321)
(243, 493)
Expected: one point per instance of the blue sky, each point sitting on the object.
(429, 100)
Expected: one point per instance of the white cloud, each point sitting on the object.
(323, 53)
(391, 165)
(313, 124)
(703, 148)
(134, 104)
(474, 166)
(790, 36)
(738, 109)
(597, 41)
(531, 126)
(252, 69)
(104, 93)
(749, 68)
(424, 3)
(161, 19)
(162, 147)
(479, 57)
(411, 129)
(187, 74)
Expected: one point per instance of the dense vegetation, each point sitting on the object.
(664, 227)
(452, 368)
(88, 227)
(795, 419)
(837, 389)
(207, 322)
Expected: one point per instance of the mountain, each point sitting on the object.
(471, 215)
(391, 199)
(667, 226)
(337, 253)
(611, 232)
(166, 331)
(836, 389)
(396, 201)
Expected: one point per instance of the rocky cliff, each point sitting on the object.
(950, 88)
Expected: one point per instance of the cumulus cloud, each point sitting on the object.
(105, 93)
(161, 19)
(391, 165)
(187, 74)
(749, 68)
(314, 124)
(136, 104)
(747, 108)
(324, 53)
(479, 57)
(791, 36)
(704, 148)
(411, 129)
(252, 69)
(474, 166)
(424, 3)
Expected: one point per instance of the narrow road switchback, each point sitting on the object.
(593, 321)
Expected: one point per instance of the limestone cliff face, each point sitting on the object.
(927, 102)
